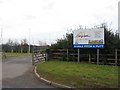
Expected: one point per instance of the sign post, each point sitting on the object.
(89, 38)
(78, 55)
(97, 56)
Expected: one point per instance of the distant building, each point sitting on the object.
(35, 47)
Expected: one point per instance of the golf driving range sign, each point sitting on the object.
(88, 38)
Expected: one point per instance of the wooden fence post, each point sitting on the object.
(115, 57)
(89, 58)
(46, 56)
(67, 54)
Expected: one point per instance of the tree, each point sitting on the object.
(24, 45)
(16, 46)
(11, 44)
(112, 40)
(6, 48)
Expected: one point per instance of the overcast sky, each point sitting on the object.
(48, 20)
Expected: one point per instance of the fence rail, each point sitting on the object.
(112, 58)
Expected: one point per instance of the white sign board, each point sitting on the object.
(88, 38)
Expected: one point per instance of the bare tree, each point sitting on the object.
(16, 46)
(24, 45)
(11, 44)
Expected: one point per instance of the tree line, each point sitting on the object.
(112, 41)
(22, 47)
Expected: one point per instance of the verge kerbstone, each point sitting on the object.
(50, 82)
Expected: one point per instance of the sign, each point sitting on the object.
(88, 38)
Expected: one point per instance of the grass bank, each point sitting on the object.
(79, 75)
(9, 55)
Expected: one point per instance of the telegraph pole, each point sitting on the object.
(1, 42)
(1, 39)
(29, 42)
(119, 19)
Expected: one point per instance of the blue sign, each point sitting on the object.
(88, 45)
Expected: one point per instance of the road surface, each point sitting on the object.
(18, 73)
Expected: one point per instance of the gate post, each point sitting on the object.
(33, 59)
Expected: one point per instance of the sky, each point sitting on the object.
(49, 20)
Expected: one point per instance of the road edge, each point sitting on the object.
(50, 82)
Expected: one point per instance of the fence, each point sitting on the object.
(110, 58)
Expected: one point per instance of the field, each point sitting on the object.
(79, 75)
(8, 55)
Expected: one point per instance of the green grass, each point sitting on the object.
(9, 55)
(79, 75)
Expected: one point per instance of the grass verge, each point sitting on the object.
(9, 55)
(79, 75)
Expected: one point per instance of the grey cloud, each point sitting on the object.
(1, 1)
(48, 4)
(29, 17)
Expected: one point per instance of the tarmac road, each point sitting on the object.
(17, 72)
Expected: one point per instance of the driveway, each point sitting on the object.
(17, 72)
